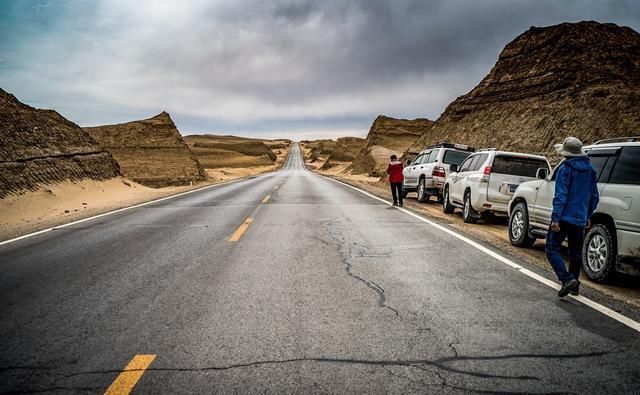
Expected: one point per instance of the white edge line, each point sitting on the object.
(586, 301)
(120, 210)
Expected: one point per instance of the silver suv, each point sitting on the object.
(426, 175)
(486, 180)
(613, 241)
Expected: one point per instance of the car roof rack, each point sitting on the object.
(445, 144)
(630, 139)
(487, 149)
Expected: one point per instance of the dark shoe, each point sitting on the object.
(394, 204)
(576, 291)
(567, 287)
(401, 205)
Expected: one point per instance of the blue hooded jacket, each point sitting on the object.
(576, 195)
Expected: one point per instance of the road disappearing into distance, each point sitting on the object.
(289, 282)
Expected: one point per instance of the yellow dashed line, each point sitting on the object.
(266, 198)
(126, 380)
(241, 229)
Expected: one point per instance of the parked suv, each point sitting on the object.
(486, 180)
(426, 175)
(612, 243)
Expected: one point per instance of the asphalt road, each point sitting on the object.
(325, 290)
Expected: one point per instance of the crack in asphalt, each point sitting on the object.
(420, 364)
(346, 255)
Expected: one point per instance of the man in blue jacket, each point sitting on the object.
(575, 199)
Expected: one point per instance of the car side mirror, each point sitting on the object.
(453, 168)
(408, 162)
(542, 173)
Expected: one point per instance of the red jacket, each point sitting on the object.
(395, 171)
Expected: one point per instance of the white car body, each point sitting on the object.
(618, 170)
(427, 174)
(488, 179)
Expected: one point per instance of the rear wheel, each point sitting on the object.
(423, 196)
(447, 208)
(469, 215)
(599, 253)
(519, 227)
(404, 193)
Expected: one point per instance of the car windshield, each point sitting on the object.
(454, 157)
(518, 166)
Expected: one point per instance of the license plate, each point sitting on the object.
(512, 188)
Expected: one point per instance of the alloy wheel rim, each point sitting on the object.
(421, 189)
(597, 253)
(466, 207)
(517, 225)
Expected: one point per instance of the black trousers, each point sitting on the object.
(396, 191)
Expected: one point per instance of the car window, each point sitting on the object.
(432, 156)
(627, 167)
(517, 165)
(466, 163)
(452, 157)
(478, 161)
(418, 160)
(598, 163)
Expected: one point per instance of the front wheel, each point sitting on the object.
(422, 192)
(469, 215)
(519, 227)
(599, 253)
(447, 208)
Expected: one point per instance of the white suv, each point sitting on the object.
(613, 241)
(426, 175)
(486, 180)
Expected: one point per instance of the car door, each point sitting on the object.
(420, 166)
(410, 172)
(620, 198)
(601, 161)
(456, 179)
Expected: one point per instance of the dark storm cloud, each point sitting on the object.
(266, 66)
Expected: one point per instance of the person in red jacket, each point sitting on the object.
(395, 179)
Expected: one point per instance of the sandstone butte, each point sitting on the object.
(150, 152)
(387, 136)
(41, 147)
(345, 149)
(579, 79)
(214, 151)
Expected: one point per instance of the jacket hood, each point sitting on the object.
(579, 163)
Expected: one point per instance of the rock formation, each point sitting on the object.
(345, 149)
(387, 136)
(580, 79)
(150, 152)
(231, 151)
(42, 147)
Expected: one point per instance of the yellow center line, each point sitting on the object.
(241, 229)
(126, 380)
(266, 198)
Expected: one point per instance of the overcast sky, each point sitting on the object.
(285, 68)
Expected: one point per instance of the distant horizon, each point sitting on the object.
(297, 70)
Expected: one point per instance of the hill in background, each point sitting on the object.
(150, 152)
(573, 79)
(42, 147)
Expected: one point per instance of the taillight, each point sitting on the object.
(438, 172)
(487, 170)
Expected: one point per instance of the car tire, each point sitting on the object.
(404, 193)
(469, 215)
(447, 208)
(423, 196)
(519, 227)
(599, 253)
